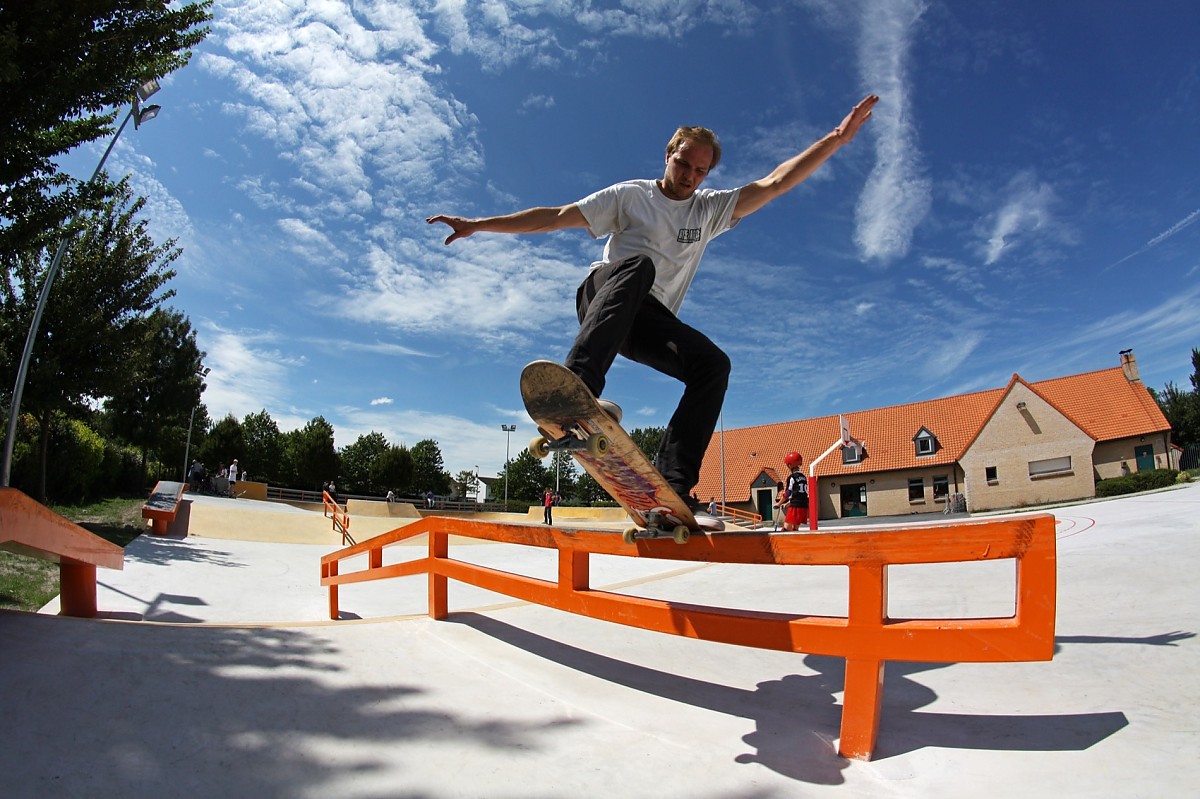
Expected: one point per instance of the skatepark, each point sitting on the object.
(213, 669)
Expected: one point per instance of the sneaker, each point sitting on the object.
(612, 409)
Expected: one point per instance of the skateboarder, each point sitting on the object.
(657, 231)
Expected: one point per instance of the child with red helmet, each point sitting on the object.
(796, 493)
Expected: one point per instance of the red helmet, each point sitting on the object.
(793, 459)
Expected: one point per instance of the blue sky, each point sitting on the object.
(1025, 199)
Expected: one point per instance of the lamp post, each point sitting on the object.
(508, 429)
(188, 447)
(139, 115)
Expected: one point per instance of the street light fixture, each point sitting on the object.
(508, 429)
(138, 115)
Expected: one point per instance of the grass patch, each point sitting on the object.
(28, 583)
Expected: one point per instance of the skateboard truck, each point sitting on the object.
(658, 525)
(576, 439)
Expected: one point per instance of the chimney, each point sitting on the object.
(1129, 366)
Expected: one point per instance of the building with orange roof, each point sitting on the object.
(1024, 444)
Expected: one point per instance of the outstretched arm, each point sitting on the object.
(531, 220)
(795, 170)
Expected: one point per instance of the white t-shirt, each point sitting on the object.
(640, 220)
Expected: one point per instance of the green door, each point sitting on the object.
(763, 501)
(1145, 457)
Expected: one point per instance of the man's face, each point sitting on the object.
(686, 169)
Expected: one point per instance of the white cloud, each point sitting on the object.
(897, 196)
(1026, 211)
(244, 377)
(488, 284)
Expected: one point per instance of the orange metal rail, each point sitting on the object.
(742, 517)
(866, 637)
(341, 519)
(28, 527)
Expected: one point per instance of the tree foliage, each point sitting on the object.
(527, 478)
(312, 454)
(166, 380)
(393, 469)
(1182, 408)
(225, 442)
(429, 473)
(112, 277)
(263, 453)
(66, 70)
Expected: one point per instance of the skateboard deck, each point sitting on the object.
(569, 418)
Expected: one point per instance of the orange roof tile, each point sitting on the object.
(1103, 404)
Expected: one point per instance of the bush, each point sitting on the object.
(1135, 482)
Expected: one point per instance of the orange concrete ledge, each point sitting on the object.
(866, 637)
(30, 528)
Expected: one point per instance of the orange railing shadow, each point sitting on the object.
(28, 527)
(866, 637)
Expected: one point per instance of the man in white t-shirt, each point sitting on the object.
(657, 231)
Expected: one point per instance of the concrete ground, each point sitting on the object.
(214, 673)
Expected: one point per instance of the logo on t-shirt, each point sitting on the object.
(688, 235)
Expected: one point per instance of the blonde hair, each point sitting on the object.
(696, 135)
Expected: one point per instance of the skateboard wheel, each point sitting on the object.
(597, 445)
(681, 534)
(539, 447)
(629, 535)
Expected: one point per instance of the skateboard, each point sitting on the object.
(569, 418)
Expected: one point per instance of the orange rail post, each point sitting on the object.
(866, 637)
(439, 601)
(863, 695)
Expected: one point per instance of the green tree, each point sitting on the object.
(263, 449)
(223, 443)
(469, 482)
(393, 469)
(563, 473)
(589, 492)
(64, 67)
(527, 478)
(648, 439)
(312, 455)
(1182, 408)
(153, 409)
(358, 463)
(111, 278)
(428, 472)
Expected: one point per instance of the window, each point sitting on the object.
(941, 488)
(989, 474)
(1050, 467)
(852, 454)
(916, 489)
(925, 442)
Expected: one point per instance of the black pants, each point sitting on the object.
(618, 315)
